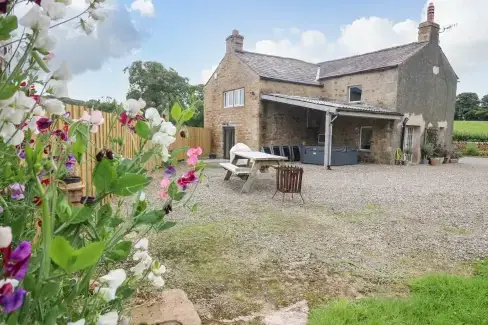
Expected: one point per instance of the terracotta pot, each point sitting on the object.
(436, 161)
(74, 188)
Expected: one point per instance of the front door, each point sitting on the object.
(229, 140)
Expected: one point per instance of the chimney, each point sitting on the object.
(235, 42)
(429, 30)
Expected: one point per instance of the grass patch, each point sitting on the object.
(436, 300)
(471, 131)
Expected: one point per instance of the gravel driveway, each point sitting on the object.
(362, 230)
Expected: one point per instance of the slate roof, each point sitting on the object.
(351, 107)
(386, 58)
(301, 72)
(279, 68)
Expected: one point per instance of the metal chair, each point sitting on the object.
(289, 180)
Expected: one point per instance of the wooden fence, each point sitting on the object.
(195, 137)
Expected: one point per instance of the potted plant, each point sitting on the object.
(407, 154)
(72, 184)
(426, 150)
(437, 156)
(455, 157)
(447, 155)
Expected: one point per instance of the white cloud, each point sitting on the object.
(465, 45)
(145, 7)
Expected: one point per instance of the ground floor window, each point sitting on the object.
(365, 136)
(409, 138)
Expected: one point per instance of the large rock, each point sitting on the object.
(173, 308)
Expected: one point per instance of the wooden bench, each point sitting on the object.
(242, 172)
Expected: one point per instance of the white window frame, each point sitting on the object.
(349, 94)
(361, 137)
(234, 98)
(409, 140)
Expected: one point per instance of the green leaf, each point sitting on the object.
(187, 115)
(120, 251)
(78, 149)
(7, 25)
(194, 208)
(51, 316)
(104, 214)
(114, 222)
(177, 151)
(166, 225)
(61, 252)
(125, 292)
(12, 319)
(150, 217)
(81, 215)
(172, 190)
(179, 196)
(29, 282)
(176, 112)
(103, 176)
(50, 288)
(39, 61)
(143, 130)
(87, 256)
(129, 184)
(146, 156)
(8, 91)
(63, 208)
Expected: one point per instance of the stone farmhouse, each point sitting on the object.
(375, 102)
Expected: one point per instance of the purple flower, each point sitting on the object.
(19, 260)
(21, 153)
(44, 123)
(170, 171)
(11, 300)
(187, 179)
(17, 191)
(61, 134)
(70, 163)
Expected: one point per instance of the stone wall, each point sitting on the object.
(460, 145)
(379, 88)
(426, 98)
(233, 74)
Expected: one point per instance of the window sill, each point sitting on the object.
(365, 150)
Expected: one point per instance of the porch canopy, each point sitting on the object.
(333, 109)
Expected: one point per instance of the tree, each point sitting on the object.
(106, 104)
(466, 105)
(196, 101)
(158, 86)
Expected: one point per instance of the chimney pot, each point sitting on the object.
(429, 30)
(234, 42)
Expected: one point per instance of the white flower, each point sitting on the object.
(35, 19)
(53, 106)
(168, 128)
(87, 26)
(96, 119)
(11, 114)
(13, 282)
(152, 115)
(55, 10)
(160, 270)
(38, 111)
(11, 135)
(110, 318)
(5, 238)
(114, 278)
(78, 322)
(165, 154)
(132, 106)
(144, 264)
(143, 243)
(107, 294)
(142, 197)
(138, 270)
(163, 139)
(44, 41)
(32, 125)
(97, 14)
(62, 73)
(58, 88)
(156, 280)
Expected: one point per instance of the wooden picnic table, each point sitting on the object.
(255, 161)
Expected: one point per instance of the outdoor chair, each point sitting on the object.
(289, 180)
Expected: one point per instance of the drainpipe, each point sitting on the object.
(402, 140)
(330, 140)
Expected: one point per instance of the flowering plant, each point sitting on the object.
(60, 260)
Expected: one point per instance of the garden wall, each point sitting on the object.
(462, 146)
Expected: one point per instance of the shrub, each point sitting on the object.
(426, 150)
(470, 137)
(471, 150)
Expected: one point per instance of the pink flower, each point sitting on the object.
(187, 179)
(163, 194)
(193, 154)
(95, 119)
(165, 182)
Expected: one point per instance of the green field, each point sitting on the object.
(470, 131)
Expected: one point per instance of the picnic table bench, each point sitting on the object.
(256, 160)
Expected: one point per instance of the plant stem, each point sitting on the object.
(47, 229)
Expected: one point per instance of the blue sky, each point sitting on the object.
(189, 36)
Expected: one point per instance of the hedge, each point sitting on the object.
(470, 137)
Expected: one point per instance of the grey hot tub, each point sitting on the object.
(340, 155)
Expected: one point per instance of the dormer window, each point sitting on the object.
(355, 93)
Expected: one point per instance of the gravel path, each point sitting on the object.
(373, 221)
